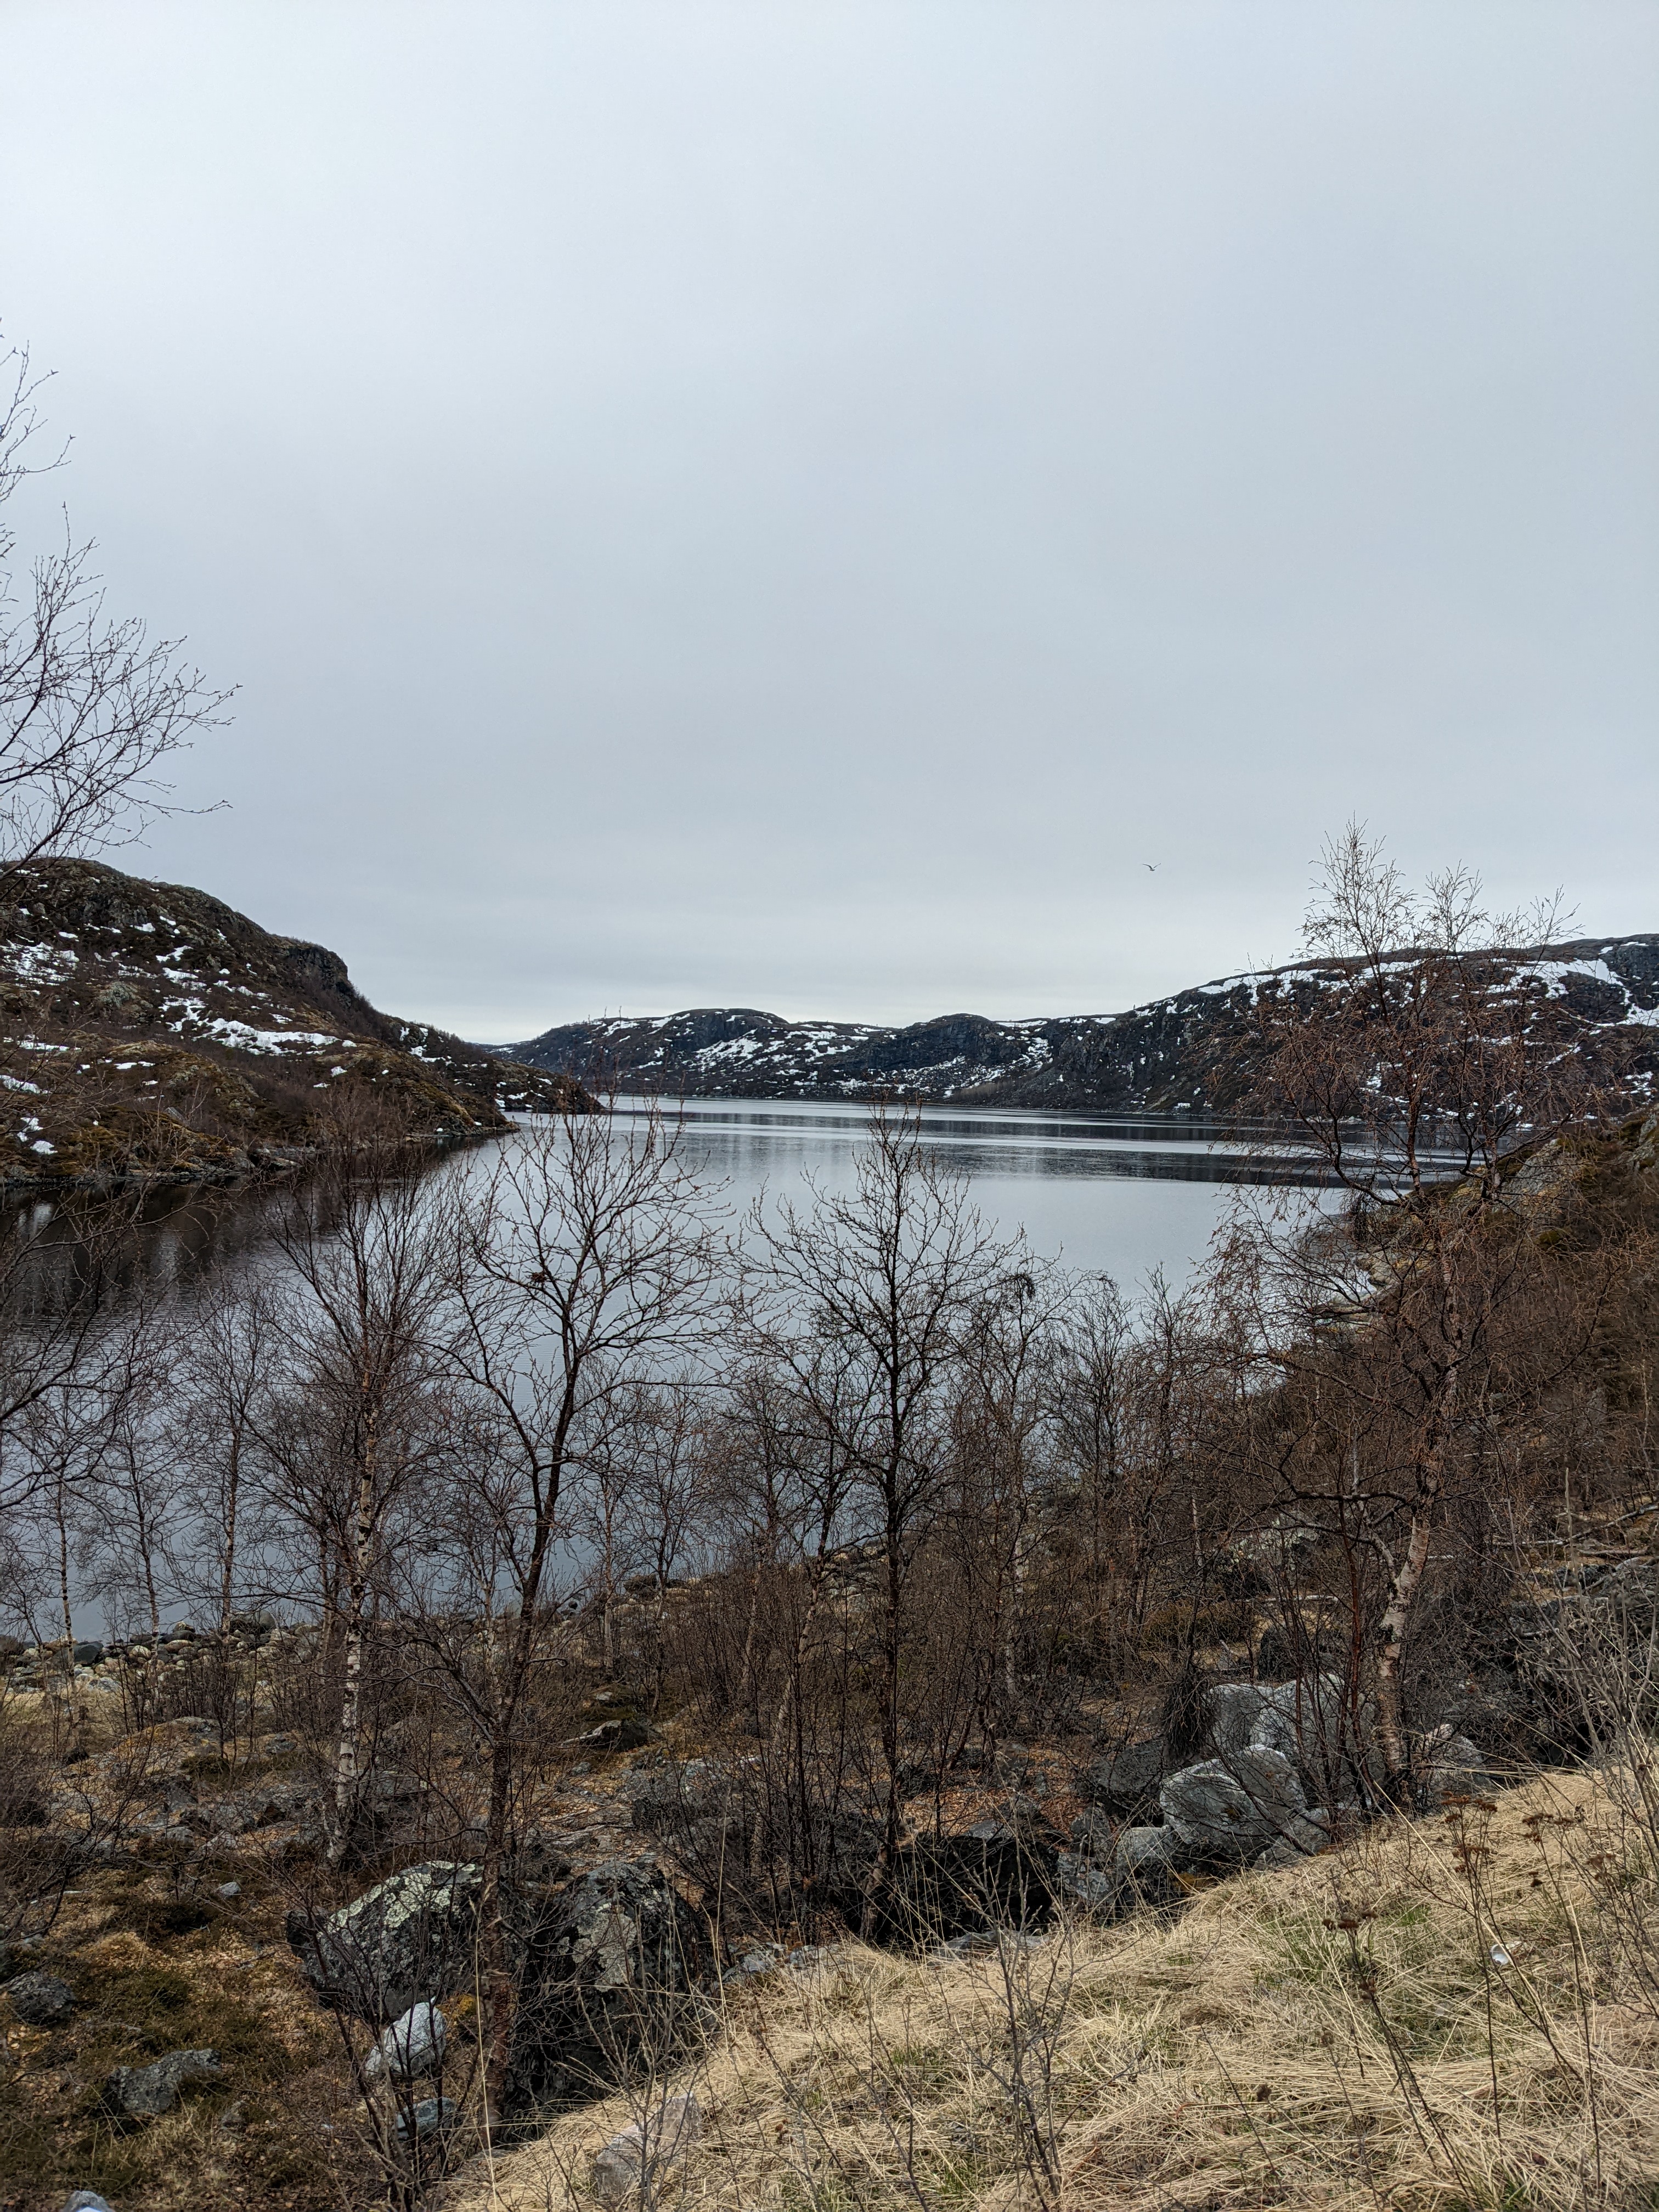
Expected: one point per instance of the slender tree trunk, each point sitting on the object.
(891, 1655)
(228, 1576)
(346, 1777)
(72, 1705)
(499, 1987)
(1408, 1580)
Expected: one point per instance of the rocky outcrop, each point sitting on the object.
(609, 1968)
(1288, 1769)
(605, 1963)
(153, 1033)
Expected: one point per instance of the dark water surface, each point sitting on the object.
(1122, 1196)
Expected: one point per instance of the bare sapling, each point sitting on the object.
(579, 1275)
(888, 1277)
(1417, 1072)
(359, 1325)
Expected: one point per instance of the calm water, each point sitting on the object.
(1122, 1197)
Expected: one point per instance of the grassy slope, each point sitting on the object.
(1254, 2050)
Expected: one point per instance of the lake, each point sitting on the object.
(1121, 1195)
(1117, 1195)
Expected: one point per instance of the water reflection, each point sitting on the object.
(1122, 1193)
(746, 1136)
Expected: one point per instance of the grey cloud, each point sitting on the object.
(794, 505)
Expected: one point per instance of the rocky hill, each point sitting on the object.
(150, 1030)
(1162, 1057)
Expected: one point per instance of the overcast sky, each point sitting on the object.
(796, 505)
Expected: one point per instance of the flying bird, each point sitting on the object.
(1151, 867)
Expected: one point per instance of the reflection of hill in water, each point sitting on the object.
(1124, 1195)
(1174, 1147)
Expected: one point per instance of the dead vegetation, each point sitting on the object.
(1441, 2015)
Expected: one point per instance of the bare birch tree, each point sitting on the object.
(580, 1274)
(90, 706)
(865, 1302)
(360, 1325)
(1418, 1070)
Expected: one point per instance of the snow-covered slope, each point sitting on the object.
(1160, 1057)
(150, 1029)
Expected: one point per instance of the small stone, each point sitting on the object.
(229, 1892)
(233, 2118)
(633, 2159)
(85, 2200)
(40, 2000)
(430, 2115)
(411, 2046)
(143, 2092)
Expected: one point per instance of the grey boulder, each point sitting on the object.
(85, 2200)
(40, 2000)
(1301, 1720)
(145, 2092)
(1230, 1809)
(1124, 1782)
(1449, 1765)
(406, 1941)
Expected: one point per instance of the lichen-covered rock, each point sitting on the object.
(1227, 1810)
(146, 2091)
(409, 1939)
(608, 1965)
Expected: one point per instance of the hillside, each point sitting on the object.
(1402, 2022)
(1162, 1057)
(150, 1030)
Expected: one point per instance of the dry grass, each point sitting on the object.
(1333, 2035)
